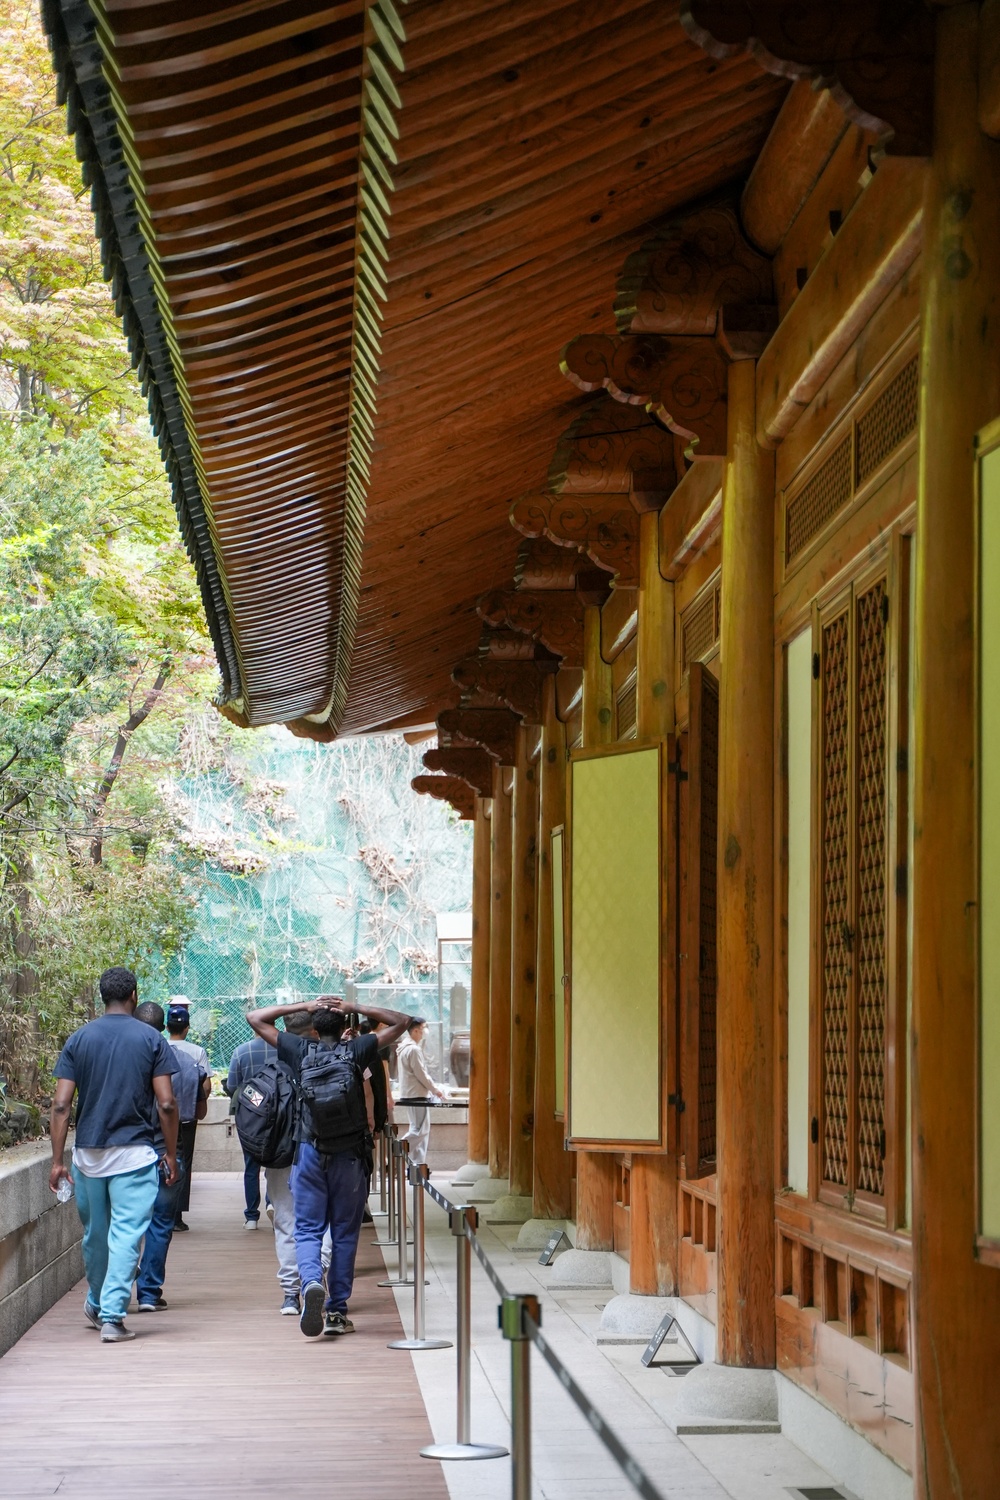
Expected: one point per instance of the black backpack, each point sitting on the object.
(266, 1113)
(334, 1098)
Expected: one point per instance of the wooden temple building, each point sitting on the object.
(614, 391)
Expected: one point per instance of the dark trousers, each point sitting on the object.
(152, 1266)
(185, 1154)
(329, 1193)
(251, 1187)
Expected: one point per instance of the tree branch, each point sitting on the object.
(125, 733)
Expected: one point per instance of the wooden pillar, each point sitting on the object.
(745, 1021)
(595, 1170)
(956, 1313)
(479, 1021)
(500, 905)
(524, 893)
(653, 1239)
(552, 1173)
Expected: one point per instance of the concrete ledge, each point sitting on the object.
(40, 1254)
(629, 1319)
(830, 1442)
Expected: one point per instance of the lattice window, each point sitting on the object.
(871, 614)
(707, 972)
(700, 627)
(889, 419)
(819, 501)
(836, 896)
(853, 890)
(625, 711)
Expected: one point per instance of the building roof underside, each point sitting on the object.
(348, 245)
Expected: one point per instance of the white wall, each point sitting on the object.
(800, 692)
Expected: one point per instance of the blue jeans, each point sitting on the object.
(251, 1187)
(329, 1191)
(153, 1265)
(115, 1213)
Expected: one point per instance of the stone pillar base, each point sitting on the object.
(488, 1190)
(631, 1319)
(535, 1234)
(581, 1270)
(722, 1398)
(471, 1172)
(510, 1209)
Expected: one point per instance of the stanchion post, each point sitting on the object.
(513, 1312)
(391, 1155)
(382, 1154)
(418, 1176)
(400, 1152)
(463, 1220)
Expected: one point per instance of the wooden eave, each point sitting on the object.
(348, 243)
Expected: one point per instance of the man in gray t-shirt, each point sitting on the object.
(122, 1071)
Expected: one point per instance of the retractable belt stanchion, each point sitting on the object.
(418, 1176)
(383, 1154)
(390, 1190)
(462, 1219)
(513, 1311)
(401, 1152)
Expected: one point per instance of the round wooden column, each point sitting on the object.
(552, 1173)
(653, 1213)
(479, 1020)
(956, 1312)
(524, 895)
(745, 1021)
(500, 908)
(595, 1170)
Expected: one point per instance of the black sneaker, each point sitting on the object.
(154, 1304)
(337, 1323)
(311, 1321)
(291, 1307)
(180, 1227)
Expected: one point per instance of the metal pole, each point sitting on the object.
(513, 1311)
(382, 1153)
(400, 1152)
(391, 1237)
(418, 1176)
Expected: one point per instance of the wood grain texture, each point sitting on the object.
(611, 448)
(224, 1300)
(501, 831)
(552, 1169)
(550, 616)
(745, 1019)
(605, 527)
(653, 1229)
(801, 142)
(451, 789)
(472, 764)
(479, 1020)
(494, 729)
(879, 241)
(524, 897)
(957, 1324)
(692, 517)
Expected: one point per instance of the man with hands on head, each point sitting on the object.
(330, 1175)
(123, 1073)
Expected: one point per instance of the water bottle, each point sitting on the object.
(64, 1191)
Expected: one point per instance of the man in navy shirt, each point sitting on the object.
(330, 1186)
(122, 1071)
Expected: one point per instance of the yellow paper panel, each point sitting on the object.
(615, 957)
(559, 967)
(989, 877)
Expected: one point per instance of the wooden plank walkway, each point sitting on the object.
(219, 1396)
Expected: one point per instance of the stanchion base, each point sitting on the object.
(388, 1244)
(395, 1281)
(451, 1451)
(420, 1344)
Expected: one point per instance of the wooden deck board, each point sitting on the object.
(219, 1396)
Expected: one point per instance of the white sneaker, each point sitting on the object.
(249, 1223)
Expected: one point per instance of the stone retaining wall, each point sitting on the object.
(40, 1256)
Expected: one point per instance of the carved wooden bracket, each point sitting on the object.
(682, 381)
(495, 729)
(518, 684)
(542, 565)
(612, 448)
(552, 616)
(449, 789)
(605, 527)
(507, 645)
(468, 762)
(876, 59)
(681, 278)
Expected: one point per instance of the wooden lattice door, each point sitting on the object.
(852, 666)
(700, 937)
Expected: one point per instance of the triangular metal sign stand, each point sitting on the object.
(651, 1350)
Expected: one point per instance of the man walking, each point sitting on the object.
(247, 1060)
(330, 1176)
(122, 1071)
(188, 1082)
(178, 1025)
(416, 1083)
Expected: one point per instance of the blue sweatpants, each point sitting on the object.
(115, 1213)
(329, 1192)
